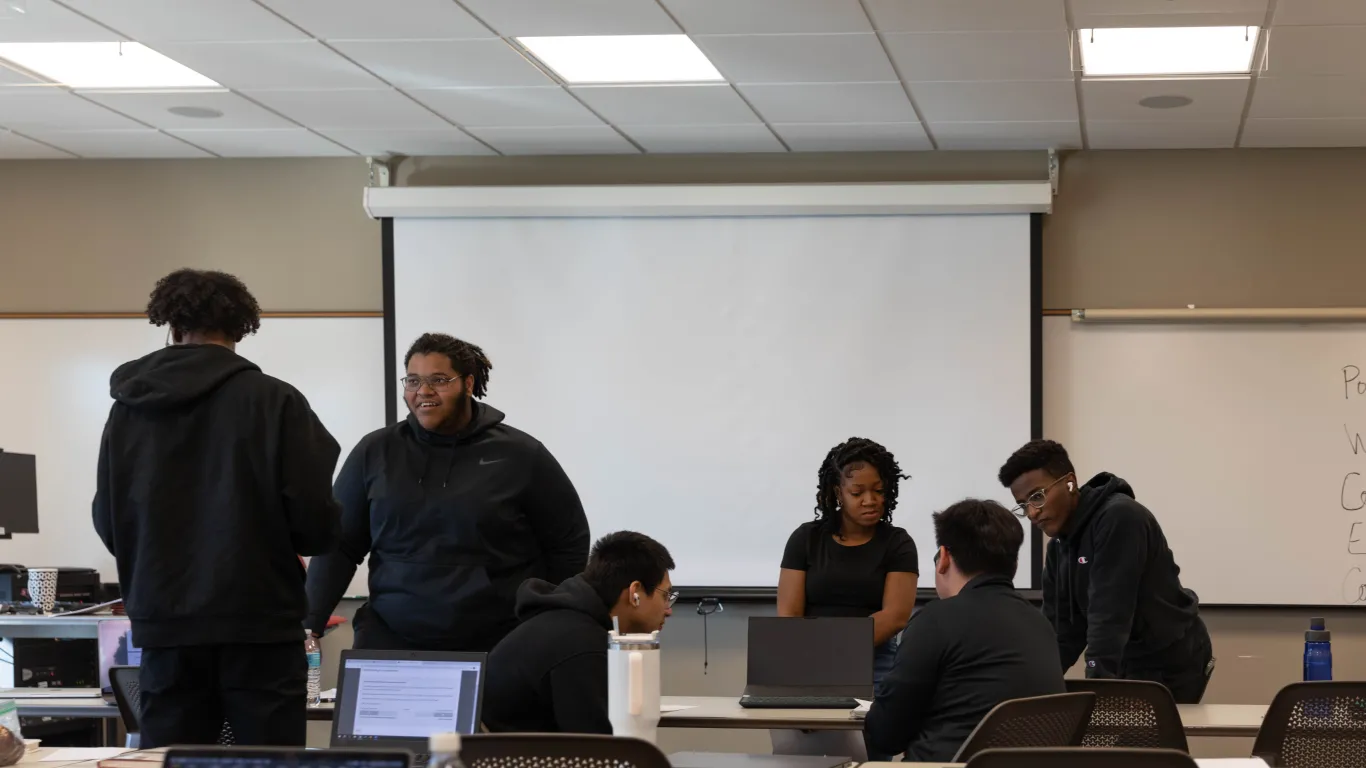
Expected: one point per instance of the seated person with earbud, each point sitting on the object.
(549, 675)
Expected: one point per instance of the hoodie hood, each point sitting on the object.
(575, 594)
(1094, 495)
(176, 376)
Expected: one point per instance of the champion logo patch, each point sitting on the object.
(1081, 560)
(1091, 664)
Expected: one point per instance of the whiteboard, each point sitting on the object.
(54, 400)
(1242, 440)
(691, 373)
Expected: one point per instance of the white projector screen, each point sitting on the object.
(691, 373)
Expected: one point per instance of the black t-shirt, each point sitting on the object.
(848, 581)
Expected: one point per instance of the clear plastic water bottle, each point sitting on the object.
(1318, 652)
(314, 653)
(445, 749)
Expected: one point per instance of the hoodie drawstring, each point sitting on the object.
(449, 466)
(426, 461)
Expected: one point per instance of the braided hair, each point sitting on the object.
(466, 358)
(202, 301)
(853, 451)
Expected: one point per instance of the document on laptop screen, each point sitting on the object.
(405, 698)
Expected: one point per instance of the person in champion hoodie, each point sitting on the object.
(213, 479)
(1111, 585)
(550, 674)
(454, 509)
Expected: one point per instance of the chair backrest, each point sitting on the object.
(1081, 758)
(127, 695)
(1132, 713)
(1042, 721)
(1318, 725)
(558, 750)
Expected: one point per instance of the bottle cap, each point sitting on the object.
(444, 743)
(1316, 623)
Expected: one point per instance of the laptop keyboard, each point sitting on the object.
(797, 702)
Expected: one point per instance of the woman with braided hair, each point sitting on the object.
(851, 560)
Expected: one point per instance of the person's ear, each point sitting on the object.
(942, 567)
(636, 594)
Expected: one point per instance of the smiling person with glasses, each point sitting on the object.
(454, 509)
(550, 674)
(1111, 586)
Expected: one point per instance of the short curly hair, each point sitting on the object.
(204, 301)
(855, 450)
(1047, 455)
(466, 358)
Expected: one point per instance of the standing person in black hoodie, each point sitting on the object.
(213, 479)
(454, 508)
(1111, 586)
(550, 674)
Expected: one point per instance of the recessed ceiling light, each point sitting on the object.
(203, 113)
(623, 58)
(103, 65)
(1167, 51)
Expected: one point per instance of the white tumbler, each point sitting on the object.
(633, 685)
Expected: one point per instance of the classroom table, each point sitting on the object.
(96, 707)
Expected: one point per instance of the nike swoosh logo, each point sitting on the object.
(486, 462)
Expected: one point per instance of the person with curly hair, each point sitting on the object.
(453, 508)
(1111, 585)
(213, 480)
(850, 560)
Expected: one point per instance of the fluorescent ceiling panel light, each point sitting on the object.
(623, 58)
(1167, 51)
(103, 65)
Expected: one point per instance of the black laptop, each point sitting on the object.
(398, 699)
(809, 663)
(280, 757)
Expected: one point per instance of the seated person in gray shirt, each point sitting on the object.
(980, 644)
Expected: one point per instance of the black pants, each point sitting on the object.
(188, 692)
(372, 634)
(1184, 667)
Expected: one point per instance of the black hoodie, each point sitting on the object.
(452, 525)
(1111, 585)
(550, 674)
(213, 479)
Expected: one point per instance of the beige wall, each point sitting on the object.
(1151, 229)
(94, 235)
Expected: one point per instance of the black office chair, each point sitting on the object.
(1132, 713)
(1315, 725)
(128, 698)
(1081, 758)
(1043, 721)
(558, 750)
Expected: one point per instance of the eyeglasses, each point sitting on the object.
(937, 553)
(439, 383)
(1038, 498)
(672, 596)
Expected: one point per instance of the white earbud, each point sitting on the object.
(635, 599)
(1070, 486)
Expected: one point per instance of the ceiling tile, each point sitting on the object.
(852, 137)
(981, 55)
(15, 147)
(11, 77)
(1299, 51)
(47, 22)
(668, 104)
(580, 140)
(451, 141)
(385, 109)
(1290, 12)
(527, 107)
(967, 102)
(967, 15)
(373, 20)
(259, 66)
(848, 58)
(22, 108)
(185, 21)
(831, 103)
(1187, 134)
(1212, 99)
(140, 143)
(445, 63)
(1301, 97)
(1005, 136)
(293, 142)
(152, 107)
(1165, 13)
(527, 18)
(704, 138)
(741, 17)
(1323, 132)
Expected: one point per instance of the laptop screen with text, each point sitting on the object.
(404, 698)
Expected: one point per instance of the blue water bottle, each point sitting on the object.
(1318, 652)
